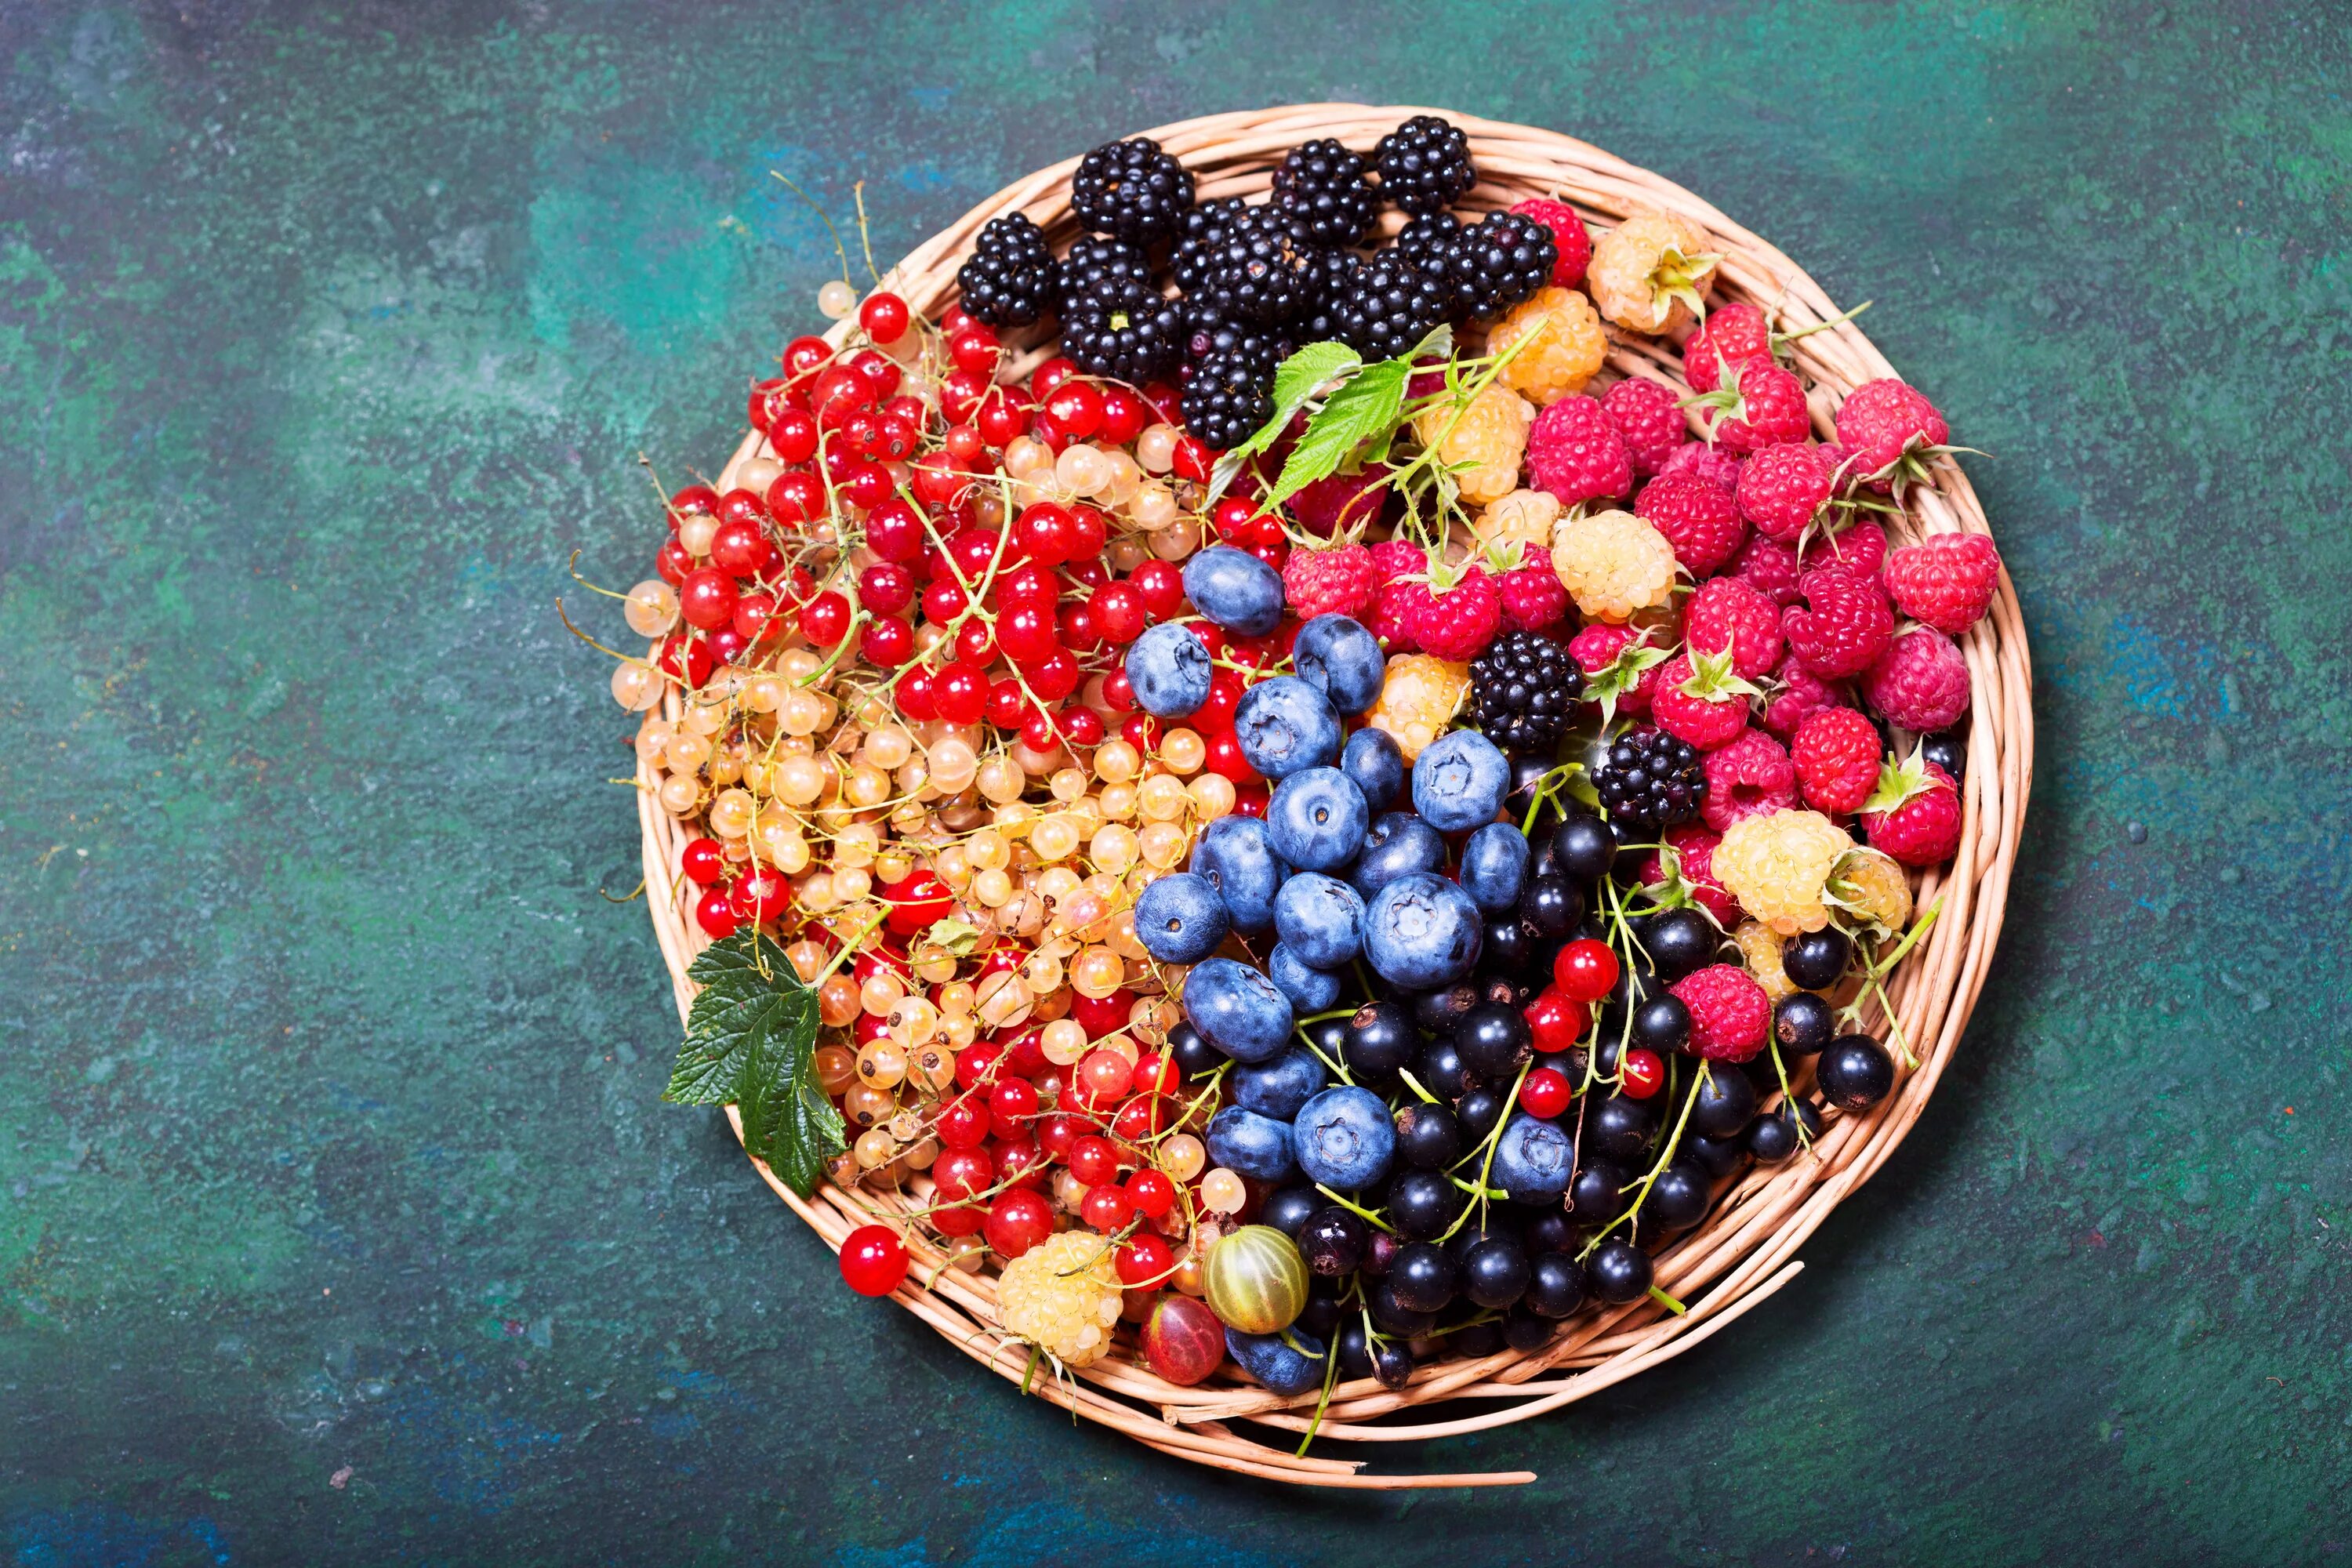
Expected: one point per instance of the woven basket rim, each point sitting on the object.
(1745, 1250)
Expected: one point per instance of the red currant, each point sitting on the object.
(1117, 609)
(1026, 634)
(1225, 758)
(1107, 1208)
(1013, 1101)
(804, 355)
(885, 588)
(693, 501)
(1017, 1221)
(1055, 676)
(870, 485)
(1585, 970)
(1051, 374)
(797, 495)
(915, 697)
(894, 530)
(1118, 692)
(976, 349)
(1162, 585)
(1153, 1192)
(1078, 407)
(963, 1171)
(672, 562)
(825, 620)
(976, 1064)
(883, 317)
(1094, 1160)
(791, 432)
(760, 894)
(959, 693)
(1641, 1072)
(1141, 1118)
(873, 1260)
(887, 643)
(701, 861)
(1079, 726)
(881, 372)
(740, 547)
(1555, 1022)
(1000, 419)
(715, 913)
(962, 1124)
(1545, 1093)
(1020, 1161)
(1144, 1259)
(707, 598)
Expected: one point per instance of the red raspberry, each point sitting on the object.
(1915, 814)
(1782, 488)
(1532, 598)
(1709, 463)
(1883, 424)
(1328, 582)
(1750, 777)
(1339, 502)
(1697, 518)
(1458, 622)
(1764, 406)
(1841, 625)
(1648, 417)
(1861, 549)
(1694, 848)
(1729, 1012)
(1920, 683)
(1703, 704)
(1576, 453)
(1395, 607)
(1395, 558)
(1610, 672)
(1946, 580)
(1769, 567)
(1568, 232)
(1837, 752)
(1728, 613)
(1733, 333)
(1793, 693)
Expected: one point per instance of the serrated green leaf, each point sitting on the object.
(750, 1038)
(1366, 408)
(1303, 372)
(957, 937)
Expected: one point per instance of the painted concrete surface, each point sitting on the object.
(340, 1220)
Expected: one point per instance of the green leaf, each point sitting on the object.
(751, 1036)
(1304, 373)
(1366, 408)
(1620, 676)
(955, 936)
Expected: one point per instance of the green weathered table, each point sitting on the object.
(340, 1220)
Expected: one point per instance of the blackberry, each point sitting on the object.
(1011, 277)
(1390, 306)
(1094, 265)
(1203, 228)
(1207, 332)
(1652, 779)
(1256, 269)
(1336, 272)
(1425, 164)
(1322, 188)
(1123, 328)
(1131, 189)
(1428, 239)
(1499, 261)
(1229, 395)
(1523, 690)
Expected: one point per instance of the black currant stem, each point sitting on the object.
(1666, 1153)
(1668, 1302)
(1330, 1376)
(573, 566)
(1355, 1208)
(1788, 1096)
(1328, 1062)
(1414, 1084)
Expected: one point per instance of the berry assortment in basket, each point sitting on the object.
(1285, 818)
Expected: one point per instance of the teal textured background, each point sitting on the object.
(340, 1219)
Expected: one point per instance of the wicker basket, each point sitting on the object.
(1746, 1249)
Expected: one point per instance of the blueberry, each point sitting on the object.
(1726, 1101)
(1343, 660)
(1496, 1273)
(1250, 1144)
(1269, 1357)
(1620, 1272)
(1380, 1040)
(1318, 820)
(1284, 725)
(1236, 854)
(1398, 844)
(1319, 917)
(1309, 989)
(1802, 1024)
(1555, 1284)
(1532, 1159)
(1181, 919)
(1854, 1072)
(1459, 781)
(1495, 867)
(1372, 758)
(1238, 1009)
(1815, 960)
(1421, 932)
(1234, 589)
(1278, 1087)
(1344, 1138)
(1169, 671)
(1680, 941)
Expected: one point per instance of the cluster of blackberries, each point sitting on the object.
(1523, 691)
(1254, 281)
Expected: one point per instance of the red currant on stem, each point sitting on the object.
(1017, 1221)
(1124, 415)
(825, 620)
(671, 563)
(791, 432)
(1059, 1134)
(804, 356)
(692, 500)
(707, 598)
(873, 1260)
(795, 497)
(1076, 407)
(887, 643)
(1107, 1208)
(975, 1064)
(1143, 1258)
(1555, 1022)
(1153, 1192)
(1019, 1160)
(1094, 1160)
(1051, 374)
(976, 349)
(1641, 1073)
(701, 861)
(1585, 970)
(1545, 1093)
(883, 317)
(715, 913)
(1141, 1116)
(963, 1171)
(962, 1123)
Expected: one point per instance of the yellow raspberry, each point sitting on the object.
(1418, 697)
(1518, 529)
(1566, 355)
(1612, 565)
(1484, 445)
(1777, 865)
(1651, 272)
(1870, 883)
(1760, 946)
(1062, 1296)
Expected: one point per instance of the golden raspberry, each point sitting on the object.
(1870, 883)
(1760, 946)
(1612, 565)
(1062, 1296)
(1777, 864)
(1418, 698)
(1518, 529)
(1568, 352)
(1650, 273)
(1483, 447)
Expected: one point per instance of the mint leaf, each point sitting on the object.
(1368, 408)
(751, 1036)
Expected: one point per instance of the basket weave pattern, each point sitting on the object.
(1745, 1248)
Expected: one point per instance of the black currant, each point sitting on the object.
(1726, 1101)
(1597, 1195)
(1495, 1273)
(1678, 1198)
(1420, 1204)
(1472, 1340)
(1814, 960)
(1680, 941)
(1428, 1137)
(1854, 1072)
(1194, 1055)
(1550, 1231)
(1719, 1157)
(1493, 1039)
(1438, 1012)
(1424, 1278)
(1555, 1284)
(1802, 1022)
(1617, 1127)
(1524, 1330)
(1288, 1209)
(1552, 905)
(1772, 1138)
(1620, 1272)
(1333, 1241)
(1662, 1025)
(1479, 1111)
(1378, 1040)
(1442, 1071)
(1392, 1317)
(1585, 847)
(1948, 750)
